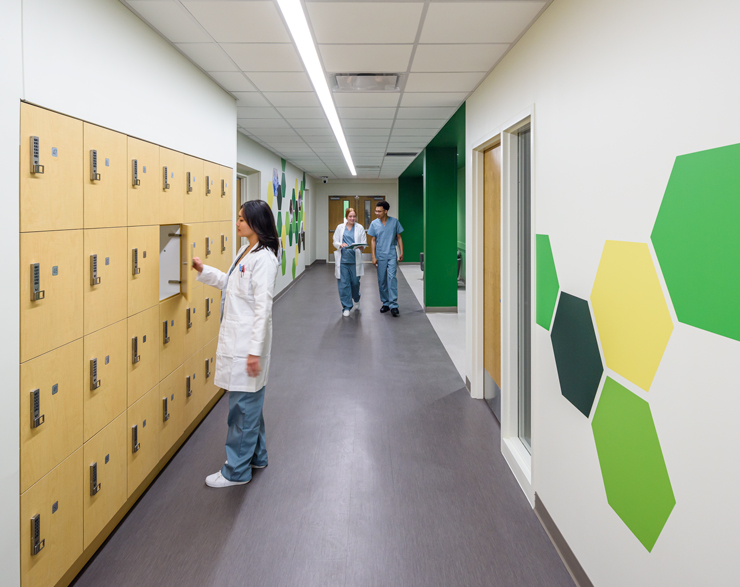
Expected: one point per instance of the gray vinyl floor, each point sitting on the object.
(383, 471)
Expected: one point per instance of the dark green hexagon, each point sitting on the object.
(576, 352)
(279, 224)
(635, 476)
(697, 240)
(547, 282)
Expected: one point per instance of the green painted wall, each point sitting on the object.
(411, 216)
(461, 207)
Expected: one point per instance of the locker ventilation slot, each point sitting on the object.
(37, 418)
(165, 338)
(37, 544)
(94, 175)
(94, 279)
(208, 185)
(35, 167)
(189, 389)
(135, 444)
(36, 292)
(208, 368)
(135, 181)
(190, 323)
(94, 381)
(165, 185)
(165, 413)
(135, 270)
(190, 183)
(94, 485)
(135, 356)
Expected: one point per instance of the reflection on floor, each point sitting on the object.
(449, 327)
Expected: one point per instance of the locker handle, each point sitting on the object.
(94, 485)
(208, 369)
(165, 413)
(165, 338)
(36, 292)
(135, 356)
(135, 444)
(94, 279)
(208, 185)
(190, 183)
(223, 188)
(35, 151)
(135, 270)
(94, 381)
(37, 543)
(188, 387)
(135, 181)
(190, 322)
(37, 418)
(166, 185)
(94, 175)
(223, 243)
(208, 307)
(208, 246)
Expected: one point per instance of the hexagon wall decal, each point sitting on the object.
(576, 352)
(547, 282)
(631, 312)
(697, 241)
(636, 480)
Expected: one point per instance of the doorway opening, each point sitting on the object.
(365, 208)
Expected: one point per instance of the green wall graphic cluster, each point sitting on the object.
(293, 226)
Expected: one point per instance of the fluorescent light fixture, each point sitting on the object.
(296, 19)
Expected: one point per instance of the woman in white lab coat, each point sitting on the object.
(348, 267)
(244, 340)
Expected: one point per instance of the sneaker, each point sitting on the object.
(217, 480)
(345, 313)
(395, 312)
(384, 309)
(357, 306)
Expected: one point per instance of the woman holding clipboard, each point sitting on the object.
(349, 240)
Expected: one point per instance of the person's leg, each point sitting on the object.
(345, 288)
(354, 282)
(259, 459)
(392, 284)
(383, 281)
(245, 411)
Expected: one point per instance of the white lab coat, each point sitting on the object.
(246, 324)
(360, 237)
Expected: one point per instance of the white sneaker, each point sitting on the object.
(345, 313)
(218, 480)
(357, 306)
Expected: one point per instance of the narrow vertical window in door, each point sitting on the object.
(524, 285)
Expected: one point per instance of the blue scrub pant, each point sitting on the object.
(349, 285)
(245, 442)
(387, 282)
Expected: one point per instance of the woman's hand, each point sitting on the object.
(197, 264)
(253, 366)
(343, 246)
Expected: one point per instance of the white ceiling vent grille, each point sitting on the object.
(366, 82)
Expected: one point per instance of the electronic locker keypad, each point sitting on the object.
(94, 175)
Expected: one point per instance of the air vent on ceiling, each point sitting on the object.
(366, 82)
(401, 154)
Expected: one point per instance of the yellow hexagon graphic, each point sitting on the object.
(270, 194)
(631, 313)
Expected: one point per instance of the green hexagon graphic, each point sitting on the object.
(283, 263)
(547, 282)
(635, 476)
(697, 241)
(279, 224)
(293, 267)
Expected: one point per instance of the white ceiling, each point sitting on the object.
(441, 49)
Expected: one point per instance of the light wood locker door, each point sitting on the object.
(143, 353)
(212, 297)
(194, 183)
(193, 237)
(225, 245)
(226, 191)
(172, 188)
(172, 335)
(56, 501)
(194, 316)
(209, 240)
(104, 277)
(105, 372)
(171, 422)
(48, 440)
(105, 460)
(492, 263)
(104, 177)
(51, 197)
(212, 188)
(143, 268)
(144, 182)
(194, 384)
(209, 370)
(55, 318)
(143, 438)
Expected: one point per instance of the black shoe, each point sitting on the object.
(395, 312)
(384, 309)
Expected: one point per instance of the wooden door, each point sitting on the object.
(337, 206)
(195, 324)
(209, 370)
(192, 246)
(225, 248)
(193, 184)
(171, 425)
(143, 361)
(194, 384)
(212, 314)
(143, 268)
(226, 191)
(105, 294)
(143, 427)
(171, 323)
(144, 182)
(212, 191)
(104, 177)
(172, 187)
(492, 270)
(366, 214)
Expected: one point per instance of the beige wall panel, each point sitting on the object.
(143, 287)
(108, 449)
(56, 499)
(193, 200)
(173, 389)
(145, 415)
(105, 198)
(226, 205)
(143, 199)
(212, 311)
(171, 354)
(193, 240)
(105, 302)
(194, 338)
(196, 401)
(105, 403)
(212, 201)
(209, 354)
(144, 374)
(51, 200)
(57, 319)
(58, 377)
(225, 245)
(171, 199)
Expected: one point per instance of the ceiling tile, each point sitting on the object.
(240, 22)
(365, 22)
(433, 100)
(257, 113)
(411, 123)
(315, 132)
(366, 112)
(443, 82)
(250, 123)
(264, 56)
(281, 82)
(366, 58)
(172, 20)
(366, 123)
(356, 140)
(274, 132)
(378, 132)
(457, 57)
(309, 123)
(208, 56)
(366, 99)
(292, 99)
(232, 81)
(271, 136)
(250, 100)
(413, 132)
(478, 22)
(313, 112)
(429, 113)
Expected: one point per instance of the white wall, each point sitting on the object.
(619, 89)
(356, 187)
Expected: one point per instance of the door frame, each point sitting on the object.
(374, 197)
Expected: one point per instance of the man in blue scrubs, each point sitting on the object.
(386, 233)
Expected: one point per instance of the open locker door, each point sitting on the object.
(188, 281)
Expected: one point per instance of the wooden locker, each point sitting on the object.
(212, 312)
(143, 353)
(54, 378)
(172, 334)
(55, 499)
(210, 241)
(209, 370)
(104, 462)
(55, 318)
(143, 268)
(171, 422)
(195, 399)
(194, 185)
(105, 396)
(226, 245)
(212, 188)
(172, 188)
(143, 438)
(104, 269)
(51, 170)
(193, 238)
(104, 177)
(144, 182)
(227, 193)
(194, 316)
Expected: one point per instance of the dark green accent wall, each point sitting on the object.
(461, 207)
(411, 216)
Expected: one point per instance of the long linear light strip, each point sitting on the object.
(296, 19)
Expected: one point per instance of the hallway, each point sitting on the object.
(382, 471)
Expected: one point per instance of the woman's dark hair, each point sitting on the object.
(385, 205)
(258, 214)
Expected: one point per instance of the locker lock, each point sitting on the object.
(135, 270)
(37, 418)
(135, 444)
(208, 307)
(165, 337)
(94, 485)
(94, 175)
(94, 279)
(135, 356)
(189, 320)
(208, 368)
(37, 544)
(36, 292)
(223, 243)
(208, 185)
(94, 381)
(165, 185)
(208, 246)
(190, 182)
(135, 181)
(223, 188)
(188, 387)
(165, 412)
(35, 167)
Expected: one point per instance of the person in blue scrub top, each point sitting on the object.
(386, 234)
(348, 268)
